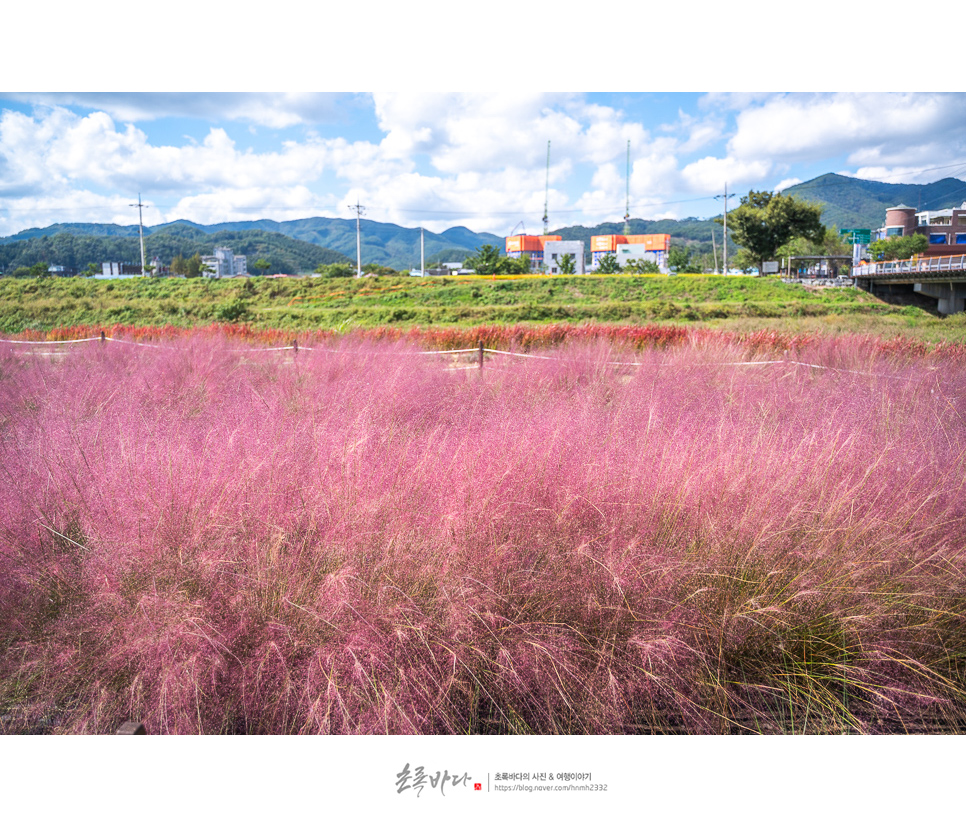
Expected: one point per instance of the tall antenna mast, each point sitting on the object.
(546, 198)
(359, 209)
(139, 204)
(627, 210)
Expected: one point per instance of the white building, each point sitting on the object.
(554, 251)
(224, 263)
(640, 252)
(117, 270)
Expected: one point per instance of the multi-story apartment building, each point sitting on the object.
(945, 229)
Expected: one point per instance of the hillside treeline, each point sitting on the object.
(76, 252)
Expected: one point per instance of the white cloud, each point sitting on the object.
(476, 131)
(700, 132)
(273, 110)
(709, 175)
(788, 182)
(808, 126)
(57, 147)
(74, 205)
(228, 204)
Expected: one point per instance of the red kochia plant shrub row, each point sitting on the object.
(518, 337)
(361, 539)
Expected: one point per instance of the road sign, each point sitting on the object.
(857, 235)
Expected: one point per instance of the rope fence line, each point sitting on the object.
(62, 342)
(480, 351)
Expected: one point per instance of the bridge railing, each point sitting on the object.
(946, 263)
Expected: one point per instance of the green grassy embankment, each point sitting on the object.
(299, 303)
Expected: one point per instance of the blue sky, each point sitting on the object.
(446, 159)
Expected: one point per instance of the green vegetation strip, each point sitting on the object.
(313, 302)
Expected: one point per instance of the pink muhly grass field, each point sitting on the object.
(362, 539)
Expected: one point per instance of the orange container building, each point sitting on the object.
(657, 246)
(532, 245)
(652, 243)
(606, 243)
(609, 243)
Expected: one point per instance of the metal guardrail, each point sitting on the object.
(914, 266)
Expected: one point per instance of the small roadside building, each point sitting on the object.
(554, 251)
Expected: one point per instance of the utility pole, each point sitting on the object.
(546, 197)
(359, 209)
(139, 204)
(422, 255)
(726, 195)
(627, 210)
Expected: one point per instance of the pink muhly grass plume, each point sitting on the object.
(363, 539)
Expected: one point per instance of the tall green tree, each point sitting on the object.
(568, 264)
(898, 248)
(262, 265)
(339, 270)
(486, 261)
(766, 221)
(192, 268)
(679, 259)
(513, 266)
(608, 265)
(641, 266)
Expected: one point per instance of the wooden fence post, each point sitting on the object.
(295, 346)
(131, 728)
(481, 357)
(103, 338)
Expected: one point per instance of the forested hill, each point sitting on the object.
(851, 203)
(382, 243)
(76, 251)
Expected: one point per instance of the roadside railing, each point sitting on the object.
(915, 266)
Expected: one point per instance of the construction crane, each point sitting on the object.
(627, 210)
(546, 197)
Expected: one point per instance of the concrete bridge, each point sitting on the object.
(942, 278)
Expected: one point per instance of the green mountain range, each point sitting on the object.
(851, 203)
(294, 246)
(74, 250)
(290, 246)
